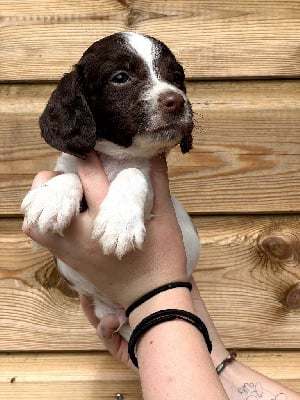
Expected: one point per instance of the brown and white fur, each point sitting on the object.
(125, 99)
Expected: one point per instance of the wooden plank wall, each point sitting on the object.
(240, 183)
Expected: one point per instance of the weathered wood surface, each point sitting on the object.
(248, 275)
(245, 157)
(41, 40)
(66, 376)
(96, 376)
(245, 161)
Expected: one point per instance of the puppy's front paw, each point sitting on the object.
(119, 230)
(50, 207)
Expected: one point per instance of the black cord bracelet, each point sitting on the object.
(154, 292)
(164, 316)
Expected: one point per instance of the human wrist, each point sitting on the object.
(154, 292)
(233, 376)
(163, 317)
(178, 297)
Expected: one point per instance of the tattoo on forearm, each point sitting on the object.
(255, 391)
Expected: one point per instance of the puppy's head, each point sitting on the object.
(125, 96)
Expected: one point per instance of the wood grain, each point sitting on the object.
(245, 157)
(219, 39)
(95, 375)
(245, 161)
(248, 267)
(81, 376)
(38, 310)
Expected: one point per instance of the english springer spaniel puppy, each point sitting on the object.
(125, 99)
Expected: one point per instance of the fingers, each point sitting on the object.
(107, 327)
(43, 177)
(49, 240)
(160, 182)
(94, 180)
(107, 330)
(113, 341)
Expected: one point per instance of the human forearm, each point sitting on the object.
(242, 382)
(164, 354)
(239, 381)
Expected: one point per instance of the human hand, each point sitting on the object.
(107, 330)
(160, 261)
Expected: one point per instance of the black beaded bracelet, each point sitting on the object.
(154, 292)
(164, 316)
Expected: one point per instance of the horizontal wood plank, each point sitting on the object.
(218, 39)
(96, 376)
(86, 376)
(245, 157)
(249, 277)
(245, 161)
(38, 309)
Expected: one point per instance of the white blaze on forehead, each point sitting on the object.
(146, 49)
(149, 51)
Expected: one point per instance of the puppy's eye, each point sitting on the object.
(120, 78)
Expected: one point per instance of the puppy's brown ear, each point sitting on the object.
(186, 143)
(67, 122)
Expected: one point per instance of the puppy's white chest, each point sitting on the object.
(113, 166)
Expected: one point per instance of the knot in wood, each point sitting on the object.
(277, 246)
(293, 297)
(50, 278)
(134, 17)
(280, 248)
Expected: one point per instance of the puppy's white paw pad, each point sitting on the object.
(50, 207)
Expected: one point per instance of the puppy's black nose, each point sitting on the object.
(172, 102)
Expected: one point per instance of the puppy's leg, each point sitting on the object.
(120, 224)
(51, 206)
